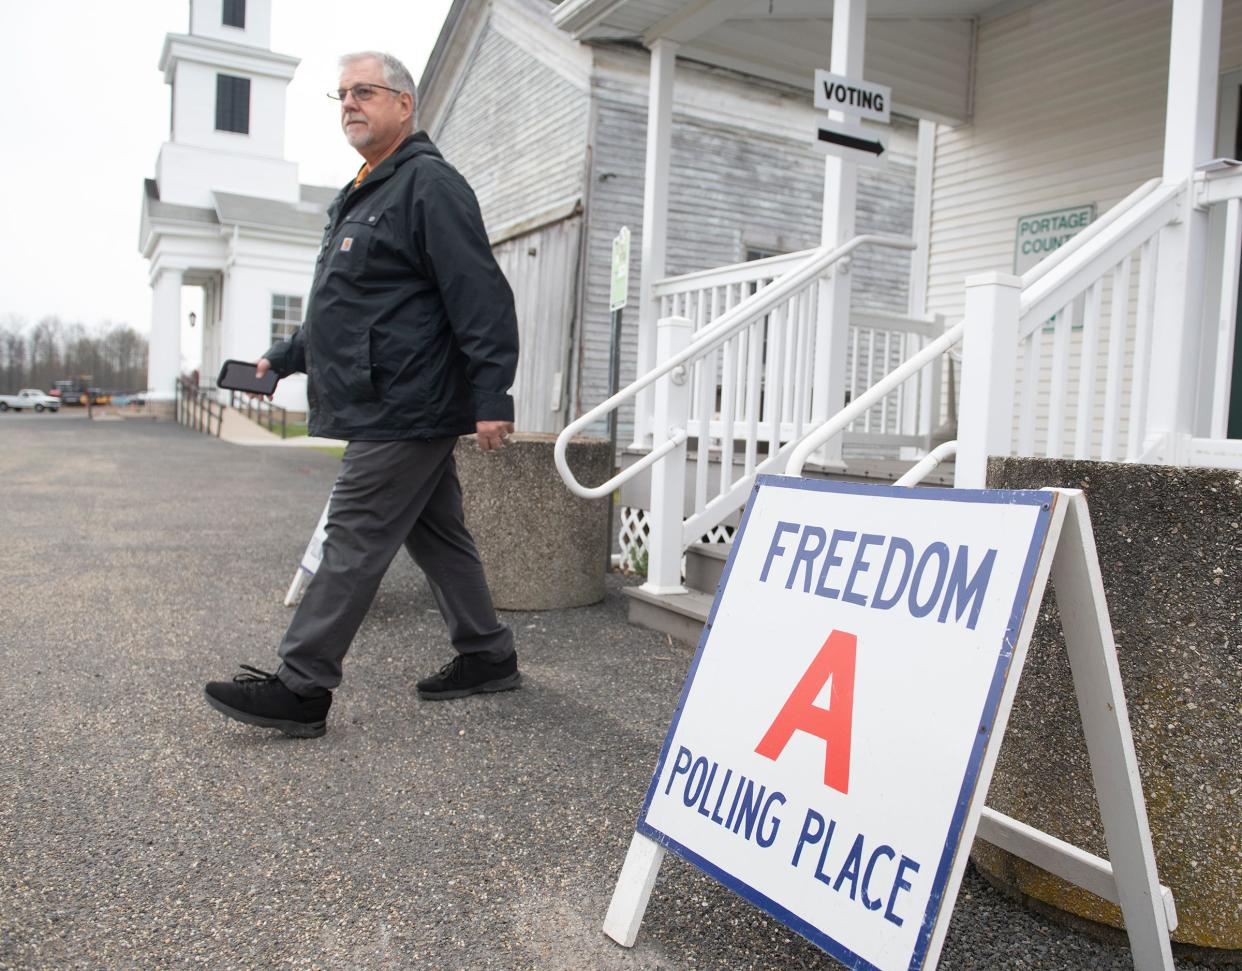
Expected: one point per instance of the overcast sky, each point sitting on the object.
(85, 110)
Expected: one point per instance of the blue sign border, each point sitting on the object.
(987, 721)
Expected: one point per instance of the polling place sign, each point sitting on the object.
(835, 726)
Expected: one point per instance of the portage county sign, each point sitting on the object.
(1042, 233)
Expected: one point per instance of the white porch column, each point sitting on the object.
(1190, 123)
(164, 349)
(849, 25)
(655, 220)
(924, 173)
(989, 358)
(668, 477)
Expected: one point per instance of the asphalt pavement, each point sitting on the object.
(140, 829)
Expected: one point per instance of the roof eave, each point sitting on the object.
(445, 37)
(577, 17)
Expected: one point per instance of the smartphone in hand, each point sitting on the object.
(239, 376)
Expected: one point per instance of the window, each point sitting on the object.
(232, 104)
(235, 13)
(286, 316)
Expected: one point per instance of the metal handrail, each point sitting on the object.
(921, 469)
(709, 338)
(1114, 230)
(1046, 288)
(1060, 255)
(261, 411)
(719, 275)
(899, 375)
(195, 407)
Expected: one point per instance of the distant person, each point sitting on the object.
(410, 341)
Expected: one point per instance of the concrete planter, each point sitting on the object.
(1170, 546)
(542, 546)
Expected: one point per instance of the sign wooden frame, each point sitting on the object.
(1069, 558)
(310, 559)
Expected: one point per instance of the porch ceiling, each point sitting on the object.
(922, 50)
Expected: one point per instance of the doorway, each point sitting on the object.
(1229, 145)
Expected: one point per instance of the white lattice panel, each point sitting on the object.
(632, 538)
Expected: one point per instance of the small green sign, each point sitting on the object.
(1043, 233)
(620, 270)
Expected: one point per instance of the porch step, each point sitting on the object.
(705, 563)
(680, 615)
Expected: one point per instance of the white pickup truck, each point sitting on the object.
(29, 398)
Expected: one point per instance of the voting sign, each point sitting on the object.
(838, 716)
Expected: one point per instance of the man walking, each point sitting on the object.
(410, 341)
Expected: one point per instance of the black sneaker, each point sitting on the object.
(258, 698)
(469, 674)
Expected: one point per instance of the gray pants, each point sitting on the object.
(387, 494)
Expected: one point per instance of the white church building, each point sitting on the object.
(225, 211)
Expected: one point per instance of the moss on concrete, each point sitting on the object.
(1170, 546)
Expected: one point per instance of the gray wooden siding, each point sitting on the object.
(517, 131)
(730, 189)
(540, 267)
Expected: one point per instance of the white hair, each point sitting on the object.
(396, 76)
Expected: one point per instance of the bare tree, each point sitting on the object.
(114, 355)
(12, 351)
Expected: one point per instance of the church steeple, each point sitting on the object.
(228, 107)
(237, 21)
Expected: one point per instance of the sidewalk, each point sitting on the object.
(237, 429)
(138, 828)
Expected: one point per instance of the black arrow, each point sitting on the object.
(868, 145)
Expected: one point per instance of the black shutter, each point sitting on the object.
(232, 104)
(235, 13)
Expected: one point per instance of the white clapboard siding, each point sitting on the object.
(731, 189)
(1069, 109)
(516, 130)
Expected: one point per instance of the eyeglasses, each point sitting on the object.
(361, 92)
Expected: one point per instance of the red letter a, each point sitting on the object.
(835, 660)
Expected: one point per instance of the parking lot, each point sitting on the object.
(138, 828)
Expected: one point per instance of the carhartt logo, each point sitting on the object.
(347, 244)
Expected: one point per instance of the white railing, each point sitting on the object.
(776, 353)
(927, 357)
(790, 291)
(1093, 381)
(1221, 192)
(742, 378)
(1084, 340)
(706, 294)
(1031, 375)
(1085, 335)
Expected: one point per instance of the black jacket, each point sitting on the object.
(410, 330)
